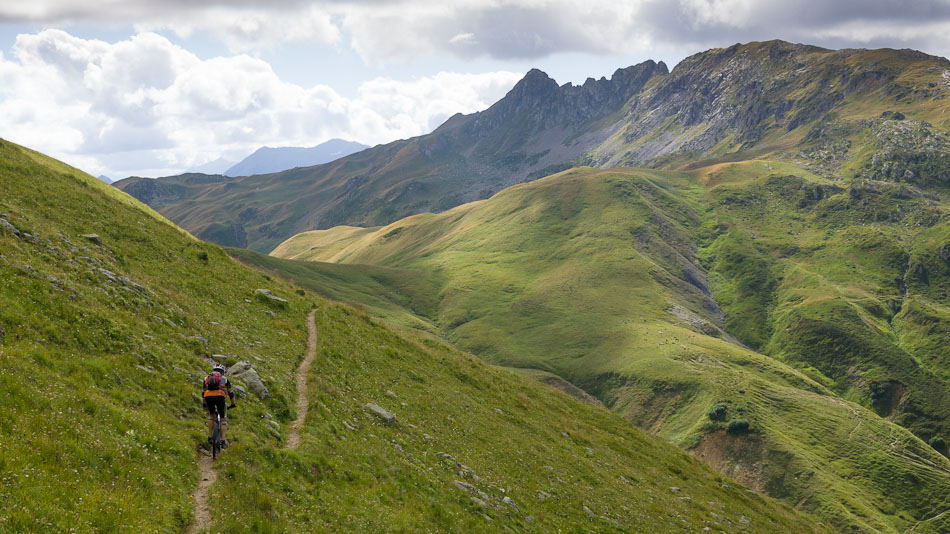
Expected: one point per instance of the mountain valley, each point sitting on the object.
(712, 298)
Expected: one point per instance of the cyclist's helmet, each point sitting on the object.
(218, 368)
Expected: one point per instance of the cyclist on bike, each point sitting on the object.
(215, 385)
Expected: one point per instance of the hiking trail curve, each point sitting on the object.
(209, 474)
(293, 437)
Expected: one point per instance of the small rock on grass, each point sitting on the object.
(446, 456)
(380, 412)
(476, 493)
(93, 237)
(267, 296)
(9, 227)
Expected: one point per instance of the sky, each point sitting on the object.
(158, 87)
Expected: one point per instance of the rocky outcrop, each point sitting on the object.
(266, 296)
(245, 372)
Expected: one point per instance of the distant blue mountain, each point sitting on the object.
(218, 166)
(265, 160)
(105, 178)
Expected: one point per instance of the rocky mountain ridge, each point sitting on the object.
(723, 104)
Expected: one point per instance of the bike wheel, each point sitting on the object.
(215, 440)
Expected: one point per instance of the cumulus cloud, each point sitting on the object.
(387, 30)
(146, 106)
(241, 24)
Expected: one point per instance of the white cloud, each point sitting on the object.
(463, 38)
(386, 30)
(146, 106)
(248, 29)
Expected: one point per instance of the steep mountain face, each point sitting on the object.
(632, 283)
(725, 104)
(268, 160)
(524, 136)
(761, 97)
(110, 314)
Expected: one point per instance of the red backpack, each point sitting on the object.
(214, 381)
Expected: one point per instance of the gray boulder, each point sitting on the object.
(111, 276)
(94, 238)
(380, 412)
(9, 228)
(128, 282)
(266, 296)
(245, 372)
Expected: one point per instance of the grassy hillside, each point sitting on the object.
(607, 279)
(102, 342)
(849, 282)
(102, 347)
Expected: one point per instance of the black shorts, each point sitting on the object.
(216, 404)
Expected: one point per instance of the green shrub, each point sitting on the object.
(879, 390)
(938, 444)
(737, 426)
(717, 412)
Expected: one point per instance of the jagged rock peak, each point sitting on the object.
(537, 98)
(536, 83)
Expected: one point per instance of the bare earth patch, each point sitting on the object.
(202, 511)
(293, 439)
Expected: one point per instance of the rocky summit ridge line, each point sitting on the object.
(722, 104)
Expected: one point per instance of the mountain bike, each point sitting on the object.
(216, 440)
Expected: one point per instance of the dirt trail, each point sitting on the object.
(206, 464)
(293, 438)
(202, 511)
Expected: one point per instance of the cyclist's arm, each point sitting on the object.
(227, 384)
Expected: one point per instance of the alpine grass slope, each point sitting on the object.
(650, 289)
(108, 314)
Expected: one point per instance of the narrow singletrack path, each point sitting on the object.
(293, 438)
(202, 511)
(206, 464)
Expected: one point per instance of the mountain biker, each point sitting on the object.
(215, 385)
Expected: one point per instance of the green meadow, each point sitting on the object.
(104, 340)
(746, 312)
